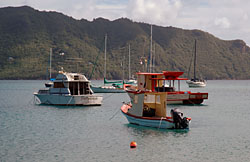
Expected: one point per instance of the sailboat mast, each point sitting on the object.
(153, 62)
(194, 59)
(150, 61)
(105, 57)
(129, 70)
(50, 60)
(123, 64)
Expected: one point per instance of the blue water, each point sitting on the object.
(220, 128)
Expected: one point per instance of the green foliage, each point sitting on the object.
(26, 35)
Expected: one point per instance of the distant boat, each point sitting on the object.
(131, 79)
(69, 89)
(195, 82)
(109, 86)
(149, 109)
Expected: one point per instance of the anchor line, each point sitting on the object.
(160, 122)
(70, 100)
(108, 96)
(114, 114)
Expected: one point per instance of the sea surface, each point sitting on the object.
(220, 128)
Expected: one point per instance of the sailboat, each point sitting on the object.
(195, 82)
(109, 86)
(131, 79)
(165, 81)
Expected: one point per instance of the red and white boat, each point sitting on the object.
(166, 82)
(149, 109)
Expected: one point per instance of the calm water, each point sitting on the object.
(220, 128)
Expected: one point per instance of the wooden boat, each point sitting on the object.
(69, 89)
(149, 109)
(155, 82)
(195, 82)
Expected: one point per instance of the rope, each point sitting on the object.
(109, 96)
(160, 122)
(35, 101)
(70, 100)
(114, 114)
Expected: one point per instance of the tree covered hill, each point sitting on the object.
(26, 35)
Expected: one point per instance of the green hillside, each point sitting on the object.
(26, 35)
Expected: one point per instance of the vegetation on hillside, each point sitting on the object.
(26, 35)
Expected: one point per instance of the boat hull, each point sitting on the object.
(180, 97)
(69, 100)
(196, 84)
(106, 90)
(162, 123)
(186, 98)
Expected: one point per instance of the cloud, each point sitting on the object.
(159, 12)
(226, 19)
(222, 22)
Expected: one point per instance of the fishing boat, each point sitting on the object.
(156, 82)
(195, 82)
(70, 89)
(149, 109)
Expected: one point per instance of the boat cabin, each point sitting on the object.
(159, 82)
(71, 84)
(148, 104)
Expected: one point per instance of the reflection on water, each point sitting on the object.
(150, 131)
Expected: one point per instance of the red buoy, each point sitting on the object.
(133, 144)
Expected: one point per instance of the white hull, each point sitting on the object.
(156, 123)
(196, 84)
(107, 89)
(69, 99)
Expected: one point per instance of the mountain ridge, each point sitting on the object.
(27, 34)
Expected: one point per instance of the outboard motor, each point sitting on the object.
(180, 121)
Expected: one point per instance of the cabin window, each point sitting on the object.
(73, 87)
(59, 85)
(81, 88)
(149, 99)
(84, 88)
(136, 99)
(76, 77)
(158, 99)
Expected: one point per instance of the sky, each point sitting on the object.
(225, 19)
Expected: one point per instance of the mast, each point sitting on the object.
(50, 60)
(150, 61)
(105, 57)
(194, 59)
(153, 62)
(123, 64)
(129, 70)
